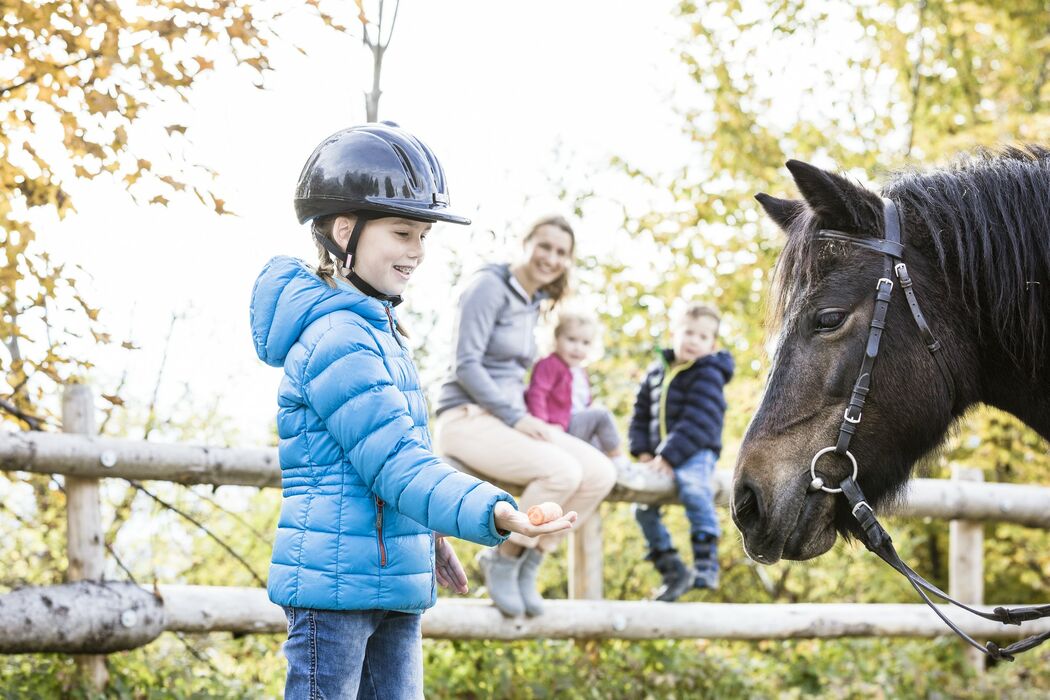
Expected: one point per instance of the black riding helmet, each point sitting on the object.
(372, 171)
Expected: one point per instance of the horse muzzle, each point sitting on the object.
(783, 521)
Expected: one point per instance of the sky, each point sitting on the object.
(511, 96)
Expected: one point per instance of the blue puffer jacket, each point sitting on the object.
(688, 417)
(362, 489)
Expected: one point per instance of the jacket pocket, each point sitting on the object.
(379, 531)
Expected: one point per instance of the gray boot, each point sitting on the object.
(501, 580)
(530, 566)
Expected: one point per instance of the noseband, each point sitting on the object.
(875, 536)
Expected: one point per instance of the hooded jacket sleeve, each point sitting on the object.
(479, 307)
(638, 431)
(699, 426)
(349, 386)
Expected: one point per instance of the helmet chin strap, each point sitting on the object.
(346, 257)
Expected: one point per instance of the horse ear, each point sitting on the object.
(783, 212)
(837, 202)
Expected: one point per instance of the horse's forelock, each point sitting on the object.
(794, 271)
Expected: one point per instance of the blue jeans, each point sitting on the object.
(337, 654)
(697, 494)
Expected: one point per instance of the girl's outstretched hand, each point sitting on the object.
(510, 518)
(449, 571)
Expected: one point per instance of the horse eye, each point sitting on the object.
(830, 320)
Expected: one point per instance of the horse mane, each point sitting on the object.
(988, 218)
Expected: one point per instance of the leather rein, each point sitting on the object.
(874, 535)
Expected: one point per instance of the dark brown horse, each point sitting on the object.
(977, 245)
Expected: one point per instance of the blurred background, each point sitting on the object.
(150, 151)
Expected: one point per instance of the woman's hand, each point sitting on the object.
(449, 571)
(645, 457)
(509, 518)
(534, 428)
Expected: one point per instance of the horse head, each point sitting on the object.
(822, 307)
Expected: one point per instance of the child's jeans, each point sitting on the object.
(696, 492)
(353, 654)
(595, 425)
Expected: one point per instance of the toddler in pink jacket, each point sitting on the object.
(559, 391)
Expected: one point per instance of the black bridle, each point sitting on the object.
(874, 535)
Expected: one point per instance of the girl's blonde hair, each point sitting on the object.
(559, 287)
(322, 227)
(569, 319)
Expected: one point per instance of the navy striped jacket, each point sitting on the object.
(692, 412)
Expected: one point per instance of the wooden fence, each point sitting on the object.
(98, 617)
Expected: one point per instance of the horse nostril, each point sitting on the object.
(746, 505)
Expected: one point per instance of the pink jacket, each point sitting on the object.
(549, 396)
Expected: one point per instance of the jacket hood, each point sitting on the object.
(502, 270)
(721, 360)
(288, 297)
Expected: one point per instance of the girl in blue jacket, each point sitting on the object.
(358, 553)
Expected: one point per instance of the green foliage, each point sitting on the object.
(899, 84)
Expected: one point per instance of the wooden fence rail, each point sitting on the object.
(82, 456)
(116, 616)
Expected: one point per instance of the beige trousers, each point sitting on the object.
(566, 470)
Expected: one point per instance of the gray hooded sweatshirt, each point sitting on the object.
(495, 345)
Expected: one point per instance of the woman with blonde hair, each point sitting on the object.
(483, 420)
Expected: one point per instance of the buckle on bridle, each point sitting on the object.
(850, 419)
(887, 280)
(862, 503)
(901, 271)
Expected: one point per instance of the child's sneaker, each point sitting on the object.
(628, 474)
(676, 577)
(705, 578)
(638, 477)
(705, 561)
(501, 580)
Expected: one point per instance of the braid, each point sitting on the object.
(326, 267)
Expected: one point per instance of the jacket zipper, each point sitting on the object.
(393, 326)
(379, 501)
(379, 531)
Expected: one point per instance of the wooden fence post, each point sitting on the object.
(585, 559)
(84, 519)
(966, 560)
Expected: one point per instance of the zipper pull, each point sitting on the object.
(393, 325)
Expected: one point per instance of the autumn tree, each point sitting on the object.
(74, 77)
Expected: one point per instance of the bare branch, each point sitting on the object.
(203, 528)
(113, 406)
(390, 32)
(33, 78)
(126, 570)
(198, 655)
(248, 526)
(151, 414)
(118, 516)
(916, 79)
(34, 422)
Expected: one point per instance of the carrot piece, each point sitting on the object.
(544, 513)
